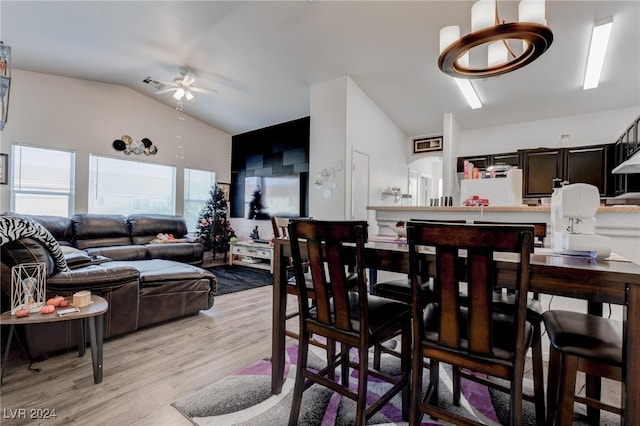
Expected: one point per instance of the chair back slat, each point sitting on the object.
(332, 247)
(448, 292)
(480, 333)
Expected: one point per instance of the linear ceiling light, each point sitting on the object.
(597, 51)
(469, 93)
(447, 36)
(486, 28)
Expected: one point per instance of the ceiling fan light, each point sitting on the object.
(178, 94)
(188, 94)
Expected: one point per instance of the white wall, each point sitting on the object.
(586, 129)
(87, 116)
(327, 144)
(371, 131)
(344, 118)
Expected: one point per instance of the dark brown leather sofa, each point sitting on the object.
(144, 286)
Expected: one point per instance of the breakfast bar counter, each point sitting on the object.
(620, 223)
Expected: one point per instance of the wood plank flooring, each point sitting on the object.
(145, 371)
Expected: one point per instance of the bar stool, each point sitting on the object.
(580, 342)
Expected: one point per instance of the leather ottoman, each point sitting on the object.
(171, 289)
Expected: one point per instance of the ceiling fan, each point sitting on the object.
(181, 86)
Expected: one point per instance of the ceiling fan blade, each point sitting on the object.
(203, 90)
(168, 83)
(160, 92)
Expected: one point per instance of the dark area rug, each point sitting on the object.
(244, 398)
(234, 278)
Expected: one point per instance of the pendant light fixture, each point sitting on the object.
(504, 55)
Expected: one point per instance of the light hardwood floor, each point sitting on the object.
(144, 372)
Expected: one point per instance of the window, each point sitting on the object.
(197, 185)
(127, 186)
(43, 181)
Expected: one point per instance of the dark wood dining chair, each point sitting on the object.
(539, 229)
(351, 317)
(580, 342)
(467, 332)
(400, 289)
(281, 230)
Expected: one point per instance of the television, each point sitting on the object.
(267, 196)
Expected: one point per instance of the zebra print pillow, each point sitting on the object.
(15, 227)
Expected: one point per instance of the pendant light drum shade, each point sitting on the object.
(486, 29)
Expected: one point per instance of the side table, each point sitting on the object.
(94, 312)
(251, 254)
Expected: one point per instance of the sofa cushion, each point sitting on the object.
(100, 230)
(128, 252)
(145, 227)
(181, 252)
(156, 271)
(14, 227)
(60, 227)
(75, 258)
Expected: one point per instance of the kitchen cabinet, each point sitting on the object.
(540, 167)
(485, 160)
(584, 164)
(588, 165)
(479, 161)
(508, 158)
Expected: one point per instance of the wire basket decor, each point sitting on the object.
(28, 287)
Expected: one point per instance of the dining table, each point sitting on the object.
(612, 280)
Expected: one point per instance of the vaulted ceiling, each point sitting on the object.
(262, 57)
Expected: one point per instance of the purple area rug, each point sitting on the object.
(244, 398)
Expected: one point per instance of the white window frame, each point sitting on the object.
(16, 172)
(186, 199)
(93, 182)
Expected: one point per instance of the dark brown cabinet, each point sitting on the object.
(509, 159)
(484, 161)
(479, 161)
(587, 165)
(540, 167)
(584, 164)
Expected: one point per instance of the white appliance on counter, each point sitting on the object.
(573, 222)
(500, 191)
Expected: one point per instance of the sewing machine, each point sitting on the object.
(573, 222)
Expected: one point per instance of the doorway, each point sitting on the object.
(359, 185)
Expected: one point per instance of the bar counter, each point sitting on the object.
(620, 223)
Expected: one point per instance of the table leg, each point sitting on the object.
(373, 278)
(96, 326)
(279, 324)
(82, 342)
(593, 384)
(12, 329)
(630, 367)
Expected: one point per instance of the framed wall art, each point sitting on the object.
(4, 169)
(427, 144)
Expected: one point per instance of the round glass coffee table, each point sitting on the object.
(93, 312)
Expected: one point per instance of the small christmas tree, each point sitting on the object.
(214, 229)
